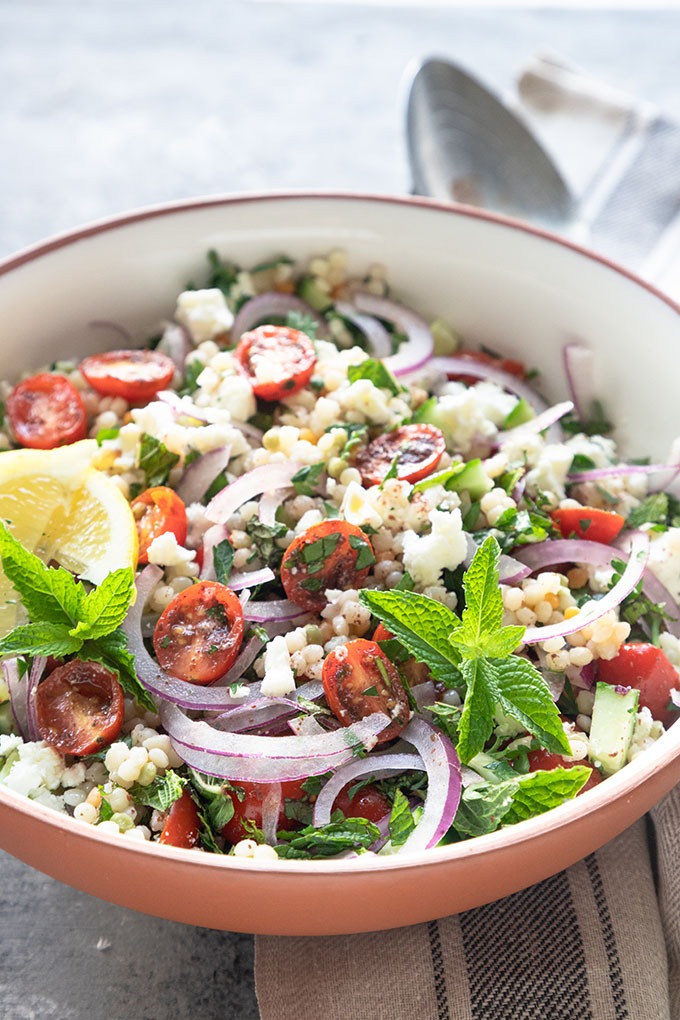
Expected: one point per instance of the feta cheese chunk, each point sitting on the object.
(445, 547)
(204, 313)
(356, 508)
(279, 678)
(664, 559)
(165, 551)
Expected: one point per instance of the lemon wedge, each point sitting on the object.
(61, 507)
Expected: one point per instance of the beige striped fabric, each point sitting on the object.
(595, 942)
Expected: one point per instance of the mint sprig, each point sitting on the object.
(474, 653)
(67, 619)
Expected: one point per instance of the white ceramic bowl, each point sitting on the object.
(500, 283)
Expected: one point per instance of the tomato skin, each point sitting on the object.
(325, 556)
(158, 510)
(182, 826)
(79, 707)
(135, 375)
(198, 635)
(418, 447)
(46, 411)
(546, 760)
(368, 802)
(510, 365)
(350, 670)
(413, 671)
(648, 669)
(288, 353)
(250, 808)
(588, 522)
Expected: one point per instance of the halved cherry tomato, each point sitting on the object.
(418, 449)
(46, 411)
(249, 807)
(588, 522)
(198, 635)
(546, 760)
(331, 554)
(648, 669)
(277, 360)
(134, 375)
(509, 365)
(79, 707)
(157, 511)
(358, 679)
(366, 802)
(182, 826)
(414, 672)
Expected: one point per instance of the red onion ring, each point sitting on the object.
(379, 343)
(443, 784)
(639, 553)
(270, 503)
(251, 578)
(201, 473)
(271, 806)
(578, 361)
(452, 366)
(616, 470)
(510, 569)
(184, 407)
(17, 695)
(176, 343)
(276, 475)
(273, 304)
(547, 419)
(277, 610)
(376, 766)
(419, 343)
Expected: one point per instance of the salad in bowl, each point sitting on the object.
(307, 575)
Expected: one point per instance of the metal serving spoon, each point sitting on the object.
(465, 145)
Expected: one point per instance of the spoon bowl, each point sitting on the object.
(465, 145)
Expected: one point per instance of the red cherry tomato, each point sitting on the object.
(156, 511)
(418, 449)
(331, 554)
(588, 522)
(46, 411)
(134, 375)
(546, 760)
(277, 360)
(79, 707)
(198, 635)
(248, 808)
(358, 679)
(182, 826)
(412, 671)
(367, 802)
(509, 365)
(648, 669)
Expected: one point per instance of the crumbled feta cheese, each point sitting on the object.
(356, 507)
(445, 547)
(647, 731)
(165, 551)
(664, 559)
(466, 414)
(279, 678)
(31, 769)
(550, 473)
(204, 313)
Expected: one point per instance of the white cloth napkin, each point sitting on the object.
(621, 159)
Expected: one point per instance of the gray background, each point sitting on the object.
(107, 106)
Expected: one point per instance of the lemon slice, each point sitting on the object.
(65, 510)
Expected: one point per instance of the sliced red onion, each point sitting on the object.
(547, 419)
(271, 807)
(419, 344)
(274, 305)
(270, 503)
(251, 578)
(213, 536)
(639, 553)
(658, 593)
(201, 473)
(305, 726)
(443, 784)
(510, 570)
(579, 362)
(34, 678)
(18, 689)
(424, 694)
(582, 677)
(184, 407)
(256, 770)
(666, 480)
(276, 475)
(376, 766)
(379, 342)
(176, 343)
(616, 470)
(452, 366)
(243, 660)
(279, 610)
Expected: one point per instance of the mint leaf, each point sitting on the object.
(401, 823)
(40, 639)
(482, 617)
(422, 625)
(104, 608)
(49, 594)
(329, 840)
(523, 694)
(306, 480)
(223, 560)
(161, 793)
(155, 460)
(376, 373)
(483, 807)
(476, 720)
(540, 791)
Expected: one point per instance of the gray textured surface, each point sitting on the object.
(109, 106)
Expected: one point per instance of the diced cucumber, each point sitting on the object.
(491, 769)
(310, 291)
(612, 726)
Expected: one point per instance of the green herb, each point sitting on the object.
(477, 650)
(105, 810)
(392, 471)
(192, 370)
(223, 560)
(356, 434)
(376, 373)
(658, 508)
(581, 463)
(328, 840)
(306, 480)
(222, 275)
(105, 434)
(161, 793)
(401, 823)
(155, 460)
(637, 609)
(596, 422)
(362, 547)
(264, 538)
(306, 324)
(66, 619)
